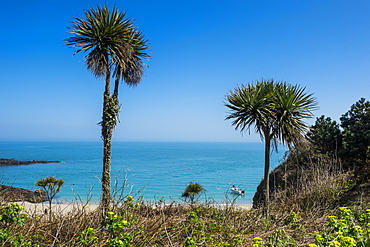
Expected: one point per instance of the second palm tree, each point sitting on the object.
(276, 110)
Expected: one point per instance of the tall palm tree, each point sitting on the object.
(115, 49)
(276, 110)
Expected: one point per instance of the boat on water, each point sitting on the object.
(235, 190)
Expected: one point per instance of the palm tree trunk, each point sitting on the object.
(110, 117)
(266, 176)
(50, 214)
(106, 172)
(106, 135)
(116, 84)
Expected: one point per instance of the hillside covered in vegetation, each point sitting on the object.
(329, 168)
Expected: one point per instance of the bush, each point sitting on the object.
(345, 230)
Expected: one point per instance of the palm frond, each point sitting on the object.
(111, 42)
(276, 109)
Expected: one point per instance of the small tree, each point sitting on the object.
(356, 134)
(325, 136)
(191, 191)
(51, 186)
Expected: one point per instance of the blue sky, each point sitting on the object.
(200, 51)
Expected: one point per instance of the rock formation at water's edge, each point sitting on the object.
(14, 162)
(12, 194)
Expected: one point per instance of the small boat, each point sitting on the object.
(236, 190)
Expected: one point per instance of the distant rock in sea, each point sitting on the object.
(14, 162)
(12, 194)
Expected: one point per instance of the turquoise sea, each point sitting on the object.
(157, 170)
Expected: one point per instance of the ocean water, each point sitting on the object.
(150, 170)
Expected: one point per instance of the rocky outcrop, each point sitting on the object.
(280, 178)
(12, 194)
(14, 162)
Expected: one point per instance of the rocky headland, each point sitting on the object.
(14, 162)
(12, 194)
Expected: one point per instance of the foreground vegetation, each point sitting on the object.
(312, 213)
(134, 224)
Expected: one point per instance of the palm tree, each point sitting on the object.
(191, 191)
(276, 110)
(115, 49)
(52, 187)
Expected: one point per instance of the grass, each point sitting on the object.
(131, 224)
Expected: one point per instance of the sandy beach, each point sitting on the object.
(72, 208)
(62, 208)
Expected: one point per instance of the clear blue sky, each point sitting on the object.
(201, 50)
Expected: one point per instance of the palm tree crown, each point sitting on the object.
(112, 43)
(251, 105)
(292, 106)
(275, 109)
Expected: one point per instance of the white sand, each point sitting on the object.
(73, 208)
(244, 206)
(63, 208)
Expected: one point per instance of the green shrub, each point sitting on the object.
(345, 230)
(10, 217)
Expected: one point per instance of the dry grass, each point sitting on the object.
(170, 225)
(165, 225)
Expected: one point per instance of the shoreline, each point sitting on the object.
(64, 209)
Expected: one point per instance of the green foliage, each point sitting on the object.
(195, 230)
(87, 237)
(113, 42)
(325, 136)
(191, 191)
(201, 233)
(258, 242)
(356, 133)
(115, 226)
(11, 216)
(110, 115)
(203, 227)
(276, 109)
(189, 242)
(278, 238)
(51, 186)
(293, 221)
(345, 230)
